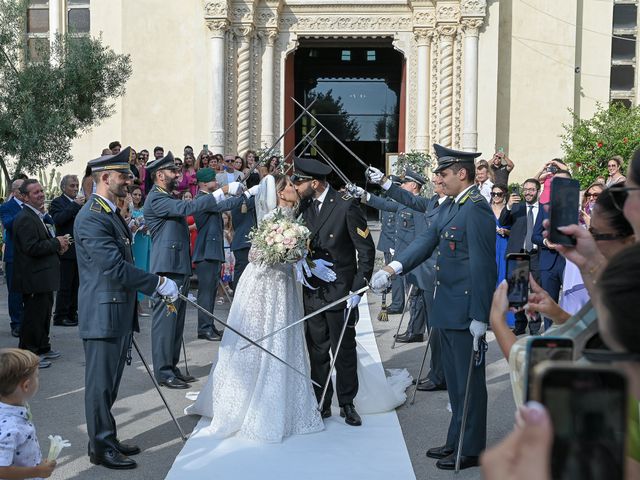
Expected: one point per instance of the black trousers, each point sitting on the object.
(456, 349)
(242, 260)
(397, 288)
(208, 272)
(34, 332)
(67, 296)
(166, 332)
(323, 333)
(105, 359)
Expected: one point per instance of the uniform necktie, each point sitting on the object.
(528, 244)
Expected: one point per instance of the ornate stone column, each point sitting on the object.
(471, 28)
(217, 30)
(268, 87)
(243, 35)
(446, 35)
(423, 38)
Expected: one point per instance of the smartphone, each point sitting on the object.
(205, 147)
(540, 349)
(588, 409)
(563, 208)
(518, 266)
(515, 190)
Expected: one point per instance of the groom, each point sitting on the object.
(339, 232)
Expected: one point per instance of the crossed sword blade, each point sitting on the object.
(244, 337)
(306, 317)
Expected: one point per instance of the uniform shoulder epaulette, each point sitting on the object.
(476, 196)
(347, 196)
(96, 207)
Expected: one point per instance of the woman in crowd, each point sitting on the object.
(203, 159)
(614, 166)
(274, 164)
(610, 232)
(589, 198)
(141, 162)
(189, 182)
(545, 176)
(141, 244)
(498, 202)
(250, 159)
(239, 165)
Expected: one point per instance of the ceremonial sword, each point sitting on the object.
(244, 337)
(306, 317)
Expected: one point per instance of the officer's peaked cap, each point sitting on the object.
(115, 163)
(448, 157)
(166, 162)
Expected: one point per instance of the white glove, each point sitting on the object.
(322, 270)
(252, 191)
(380, 281)
(374, 175)
(392, 251)
(356, 191)
(477, 329)
(353, 302)
(235, 188)
(167, 288)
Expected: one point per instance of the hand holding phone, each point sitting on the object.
(563, 209)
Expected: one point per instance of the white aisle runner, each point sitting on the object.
(376, 450)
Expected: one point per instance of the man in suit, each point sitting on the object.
(243, 219)
(63, 210)
(521, 218)
(339, 234)
(107, 304)
(166, 219)
(550, 263)
(208, 252)
(386, 245)
(37, 269)
(228, 174)
(466, 272)
(8, 212)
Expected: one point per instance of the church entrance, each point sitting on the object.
(357, 91)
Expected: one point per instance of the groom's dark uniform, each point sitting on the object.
(339, 235)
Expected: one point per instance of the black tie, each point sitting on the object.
(528, 244)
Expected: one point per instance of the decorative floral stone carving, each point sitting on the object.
(216, 8)
(473, 8)
(424, 18)
(217, 27)
(448, 12)
(471, 26)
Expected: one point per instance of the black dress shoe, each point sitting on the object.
(422, 380)
(449, 463)
(429, 386)
(186, 378)
(174, 382)
(208, 336)
(326, 412)
(418, 337)
(393, 311)
(403, 334)
(126, 448)
(65, 322)
(15, 332)
(351, 417)
(112, 458)
(439, 452)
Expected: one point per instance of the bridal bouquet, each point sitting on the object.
(279, 239)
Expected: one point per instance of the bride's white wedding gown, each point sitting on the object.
(252, 394)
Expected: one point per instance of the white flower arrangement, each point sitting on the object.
(280, 239)
(57, 444)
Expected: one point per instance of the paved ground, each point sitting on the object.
(58, 408)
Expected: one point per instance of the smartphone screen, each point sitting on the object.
(540, 349)
(588, 409)
(518, 279)
(563, 208)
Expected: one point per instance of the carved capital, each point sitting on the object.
(217, 27)
(471, 26)
(423, 36)
(425, 18)
(269, 35)
(241, 13)
(215, 8)
(243, 31)
(473, 8)
(447, 32)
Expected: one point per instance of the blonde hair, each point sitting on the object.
(16, 365)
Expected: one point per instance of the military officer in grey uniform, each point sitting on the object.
(166, 219)
(464, 237)
(208, 252)
(386, 245)
(107, 304)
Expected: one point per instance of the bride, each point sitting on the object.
(250, 393)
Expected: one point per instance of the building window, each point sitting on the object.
(78, 18)
(37, 28)
(623, 52)
(345, 55)
(371, 55)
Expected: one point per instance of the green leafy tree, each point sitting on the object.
(419, 162)
(48, 99)
(588, 144)
(334, 116)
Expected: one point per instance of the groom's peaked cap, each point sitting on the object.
(310, 168)
(164, 163)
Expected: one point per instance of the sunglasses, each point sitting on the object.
(606, 236)
(497, 194)
(591, 195)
